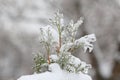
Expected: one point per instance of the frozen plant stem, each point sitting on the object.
(60, 41)
(48, 52)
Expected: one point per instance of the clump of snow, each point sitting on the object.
(54, 58)
(75, 61)
(72, 64)
(56, 74)
(54, 67)
(86, 42)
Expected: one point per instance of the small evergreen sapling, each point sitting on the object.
(60, 39)
(59, 42)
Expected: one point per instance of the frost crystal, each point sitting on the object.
(48, 34)
(69, 31)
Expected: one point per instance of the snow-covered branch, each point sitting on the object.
(61, 64)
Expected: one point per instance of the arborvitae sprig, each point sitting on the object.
(60, 38)
(39, 63)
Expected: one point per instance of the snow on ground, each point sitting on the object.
(56, 73)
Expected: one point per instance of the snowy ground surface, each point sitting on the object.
(56, 73)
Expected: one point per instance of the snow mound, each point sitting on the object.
(56, 73)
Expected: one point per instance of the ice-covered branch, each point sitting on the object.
(84, 42)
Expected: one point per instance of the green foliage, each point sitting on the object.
(72, 64)
(40, 63)
(63, 60)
